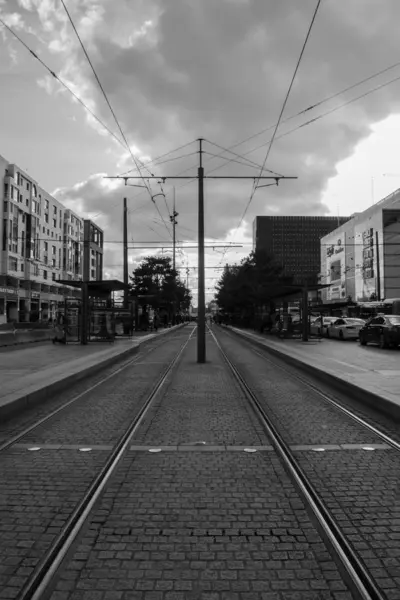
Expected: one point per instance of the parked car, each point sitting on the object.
(383, 330)
(320, 326)
(346, 328)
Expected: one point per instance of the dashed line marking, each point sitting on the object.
(203, 447)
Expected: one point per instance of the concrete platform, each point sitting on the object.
(370, 375)
(29, 375)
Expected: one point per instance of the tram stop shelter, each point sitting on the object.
(101, 292)
(293, 292)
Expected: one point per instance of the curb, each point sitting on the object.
(356, 393)
(40, 395)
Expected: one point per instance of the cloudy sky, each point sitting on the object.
(178, 70)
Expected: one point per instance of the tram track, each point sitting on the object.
(37, 584)
(14, 432)
(329, 399)
(350, 564)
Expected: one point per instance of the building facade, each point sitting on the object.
(294, 242)
(361, 259)
(41, 243)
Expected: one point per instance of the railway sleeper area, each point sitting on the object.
(165, 479)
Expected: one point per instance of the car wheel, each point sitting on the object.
(363, 341)
(382, 341)
(341, 336)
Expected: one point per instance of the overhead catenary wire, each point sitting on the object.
(239, 162)
(243, 158)
(135, 160)
(124, 143)
(255, 186)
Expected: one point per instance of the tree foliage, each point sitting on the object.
(159, 284)
(250, 285)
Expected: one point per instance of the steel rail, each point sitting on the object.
(19, 436)
(335, 403)
(356, 574)
(40, 581)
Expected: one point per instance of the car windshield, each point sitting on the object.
(355, 321)
(394, 320)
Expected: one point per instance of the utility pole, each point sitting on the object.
(378, 268)
(201, 331)
(201, 310)
(305, 312)
(125, 252)
(85, 283)
(174, 223)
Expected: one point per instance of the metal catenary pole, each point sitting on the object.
(125, 252)
(201, 310)
(201, 331)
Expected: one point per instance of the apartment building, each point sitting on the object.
(41, 244)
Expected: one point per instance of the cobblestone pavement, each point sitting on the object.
(33, 413)
(361, 487)
(39, 489)
(331, 350)
(200, 522)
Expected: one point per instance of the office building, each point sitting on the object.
(41, 243)
(294, 242)
(361, 259)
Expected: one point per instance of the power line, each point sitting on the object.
(53, 74)
(136, 162)
(256, 184)
(242, 157)
(156, 160)
(254, 165)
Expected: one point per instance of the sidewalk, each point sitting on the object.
(30, 373)
(369, 374)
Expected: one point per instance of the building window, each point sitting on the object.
(53, 250)
(55, 223)
(53, 276)
(5, 206)
(44, 229)
(46, 246)
(22, 268)
(44, 274)
(13, 264)
(27, 186)
(27, 201)
(46, 218)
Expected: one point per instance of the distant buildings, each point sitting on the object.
(41, 243)
(294, 242)
(361, 259)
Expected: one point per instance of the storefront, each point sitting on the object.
(8, 304)
(35, 307)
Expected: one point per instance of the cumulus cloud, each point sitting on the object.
(178, 70)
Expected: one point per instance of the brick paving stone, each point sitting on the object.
(38, 492)
(157, 482)
(103, 414)
(300, 414)
(190, 525)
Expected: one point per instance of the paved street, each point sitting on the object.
(367, 367)
(190, 513)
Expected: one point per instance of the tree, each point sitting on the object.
(244, 289)
(156, 280)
